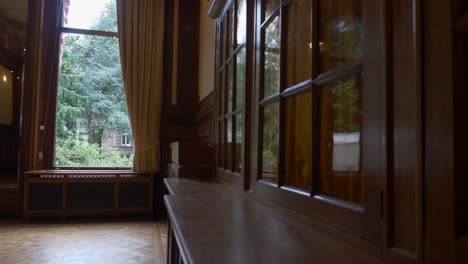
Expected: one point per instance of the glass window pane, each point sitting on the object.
(223, 37)
(241, 21)
(91, 107)
(229, 156)
(221, 92)
(229, 87)
(270, 142)
(231, 30)
(340, 138)
(341, 33)
(272, 58)
(221, 144)
(239, 140)
(269, 6)
(89, 14)
(298, 141)
(240, 78)
(298, 42)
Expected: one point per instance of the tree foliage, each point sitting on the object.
(91, 89)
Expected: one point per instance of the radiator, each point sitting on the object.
(74, 193)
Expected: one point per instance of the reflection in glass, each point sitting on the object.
(341, 33)
(221, 91)
(229, 144)
(241, 21)
(270, 142)
(340, 173)
(221, 144)
(231, 30)
(272, 58)
(223, 37)
(229, 87)
(239, 140)
(298, 42)
(269, 6)
(240, 78)
(298, 141)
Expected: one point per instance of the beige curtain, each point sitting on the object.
(141, 27)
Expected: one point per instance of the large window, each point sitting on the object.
(231, 86)
(313, 107)
(310, 97)
(91, 108)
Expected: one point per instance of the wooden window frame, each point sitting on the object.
(365, 220)
(227, 60)
(54, 90)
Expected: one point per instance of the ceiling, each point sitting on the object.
(15, 9)
(13, 17)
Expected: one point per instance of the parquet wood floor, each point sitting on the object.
(113, 242)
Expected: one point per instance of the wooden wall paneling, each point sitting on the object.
(204, 120)
(12, 35)
(460, 63)
(187, 68)
(9, 134)
(405, 226)
(167, 80)
(439, 130)
(177, 122)
(49, 86)
(40, 74)
(31, 85)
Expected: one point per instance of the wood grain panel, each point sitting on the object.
(405, 181)
(439, 124)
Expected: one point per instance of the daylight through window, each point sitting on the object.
(92, 128)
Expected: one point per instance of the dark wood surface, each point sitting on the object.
(66, 177)
(213, 224)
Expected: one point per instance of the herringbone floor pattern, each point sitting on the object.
(112, 242)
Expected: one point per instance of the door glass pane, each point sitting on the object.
(298, 42)
(298, 141)
(239, 140)
(229, 87)
(241, 21)
(272, 58)
(269, 6)
(270, 142)
(341, 33)
(229, 156)
(240, 78)
(340, 140)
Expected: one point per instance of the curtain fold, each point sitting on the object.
(141, 31)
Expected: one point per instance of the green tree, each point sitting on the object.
(91, 88)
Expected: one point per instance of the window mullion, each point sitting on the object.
(282, 110)
(315, 146)
(89, 32)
